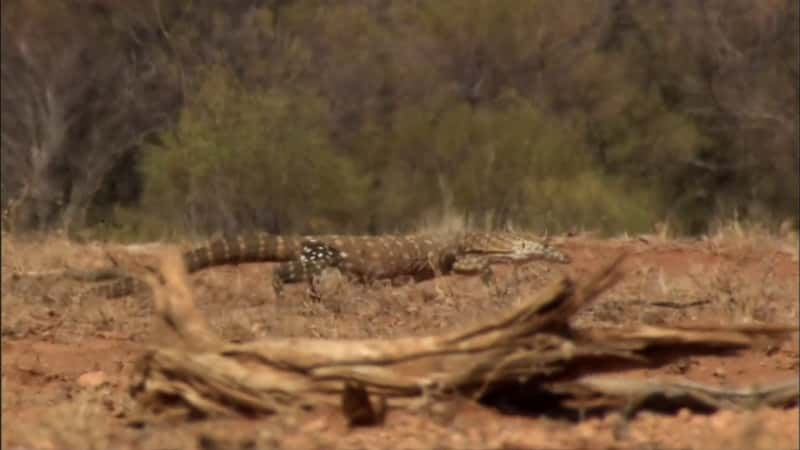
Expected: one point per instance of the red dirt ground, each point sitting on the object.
(67, 356)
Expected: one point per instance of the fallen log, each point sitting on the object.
(532, 347)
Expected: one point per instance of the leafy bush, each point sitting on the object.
(497, 165)
(245, 159)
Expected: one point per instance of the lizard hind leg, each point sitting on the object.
(287, 272)
(320, 259)
(314, 258)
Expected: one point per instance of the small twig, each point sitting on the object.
(671, 304)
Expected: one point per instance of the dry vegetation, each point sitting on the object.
(69, 358)
(130, 121)
(140, 119)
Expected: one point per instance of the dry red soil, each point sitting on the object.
(67, 355)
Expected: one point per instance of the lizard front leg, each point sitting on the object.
(475, 264)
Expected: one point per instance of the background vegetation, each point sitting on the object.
(376, 116)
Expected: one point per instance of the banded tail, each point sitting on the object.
(259, 247)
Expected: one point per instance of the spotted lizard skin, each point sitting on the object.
(362, 257)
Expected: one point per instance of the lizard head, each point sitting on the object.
(512, 247)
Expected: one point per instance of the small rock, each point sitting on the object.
(93, 379)
(722, 420)
(316, 425)
(719, 372)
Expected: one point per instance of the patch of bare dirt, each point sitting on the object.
(67, 356)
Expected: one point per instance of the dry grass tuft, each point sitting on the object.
(747, 235)
(449, 222)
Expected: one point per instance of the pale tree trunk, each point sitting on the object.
(71, 111)
(33, 141)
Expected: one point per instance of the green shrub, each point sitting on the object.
(244, 159)
(497, 165)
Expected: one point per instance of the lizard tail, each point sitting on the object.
(259, 247)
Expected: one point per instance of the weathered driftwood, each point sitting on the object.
(669, 394)
(532, 345)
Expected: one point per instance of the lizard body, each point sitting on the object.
(364, 257)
